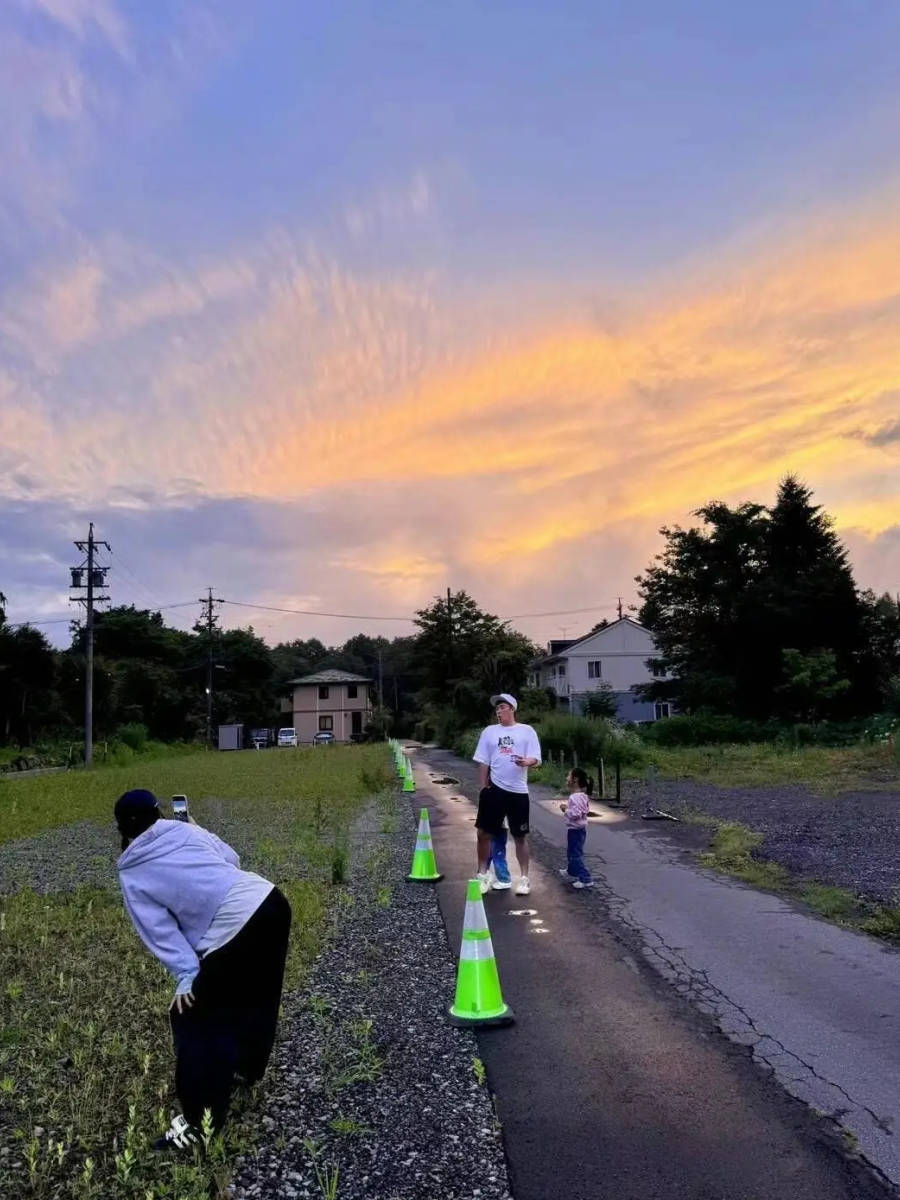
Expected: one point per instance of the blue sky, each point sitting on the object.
(461, 294)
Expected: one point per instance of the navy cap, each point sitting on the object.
(138, 800)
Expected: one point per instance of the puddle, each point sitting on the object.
(445, 779)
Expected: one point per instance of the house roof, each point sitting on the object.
(329, 677)
(564, 653)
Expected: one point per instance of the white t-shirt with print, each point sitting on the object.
(496, 749)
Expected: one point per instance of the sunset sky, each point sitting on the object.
(333, 306)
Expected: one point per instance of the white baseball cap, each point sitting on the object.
(505, 698)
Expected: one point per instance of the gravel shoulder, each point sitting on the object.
(369, 1085)
(851, 840)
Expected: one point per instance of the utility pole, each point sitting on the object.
(208, 601)
(95, 579)
(620, 608)
(449, 635)
(381, 695)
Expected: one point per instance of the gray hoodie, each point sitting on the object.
(174, 876)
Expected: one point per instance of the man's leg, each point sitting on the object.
(523, 854)
(517, 815)
(488, 823)
(484, 850)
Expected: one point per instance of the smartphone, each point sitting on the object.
(180, 808)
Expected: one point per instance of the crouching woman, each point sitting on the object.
(223, 934)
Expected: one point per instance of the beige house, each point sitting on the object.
(328, 702)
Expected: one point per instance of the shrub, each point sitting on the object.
(702, 729)
(134, 736)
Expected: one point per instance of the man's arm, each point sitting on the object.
(482, 756)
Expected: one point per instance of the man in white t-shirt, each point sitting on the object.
(505, 752)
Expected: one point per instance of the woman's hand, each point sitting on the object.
(181, 1002)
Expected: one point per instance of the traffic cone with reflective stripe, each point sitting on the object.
(479, 1000)
(424, 868)
(409, 779)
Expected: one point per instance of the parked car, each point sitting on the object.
(261, 738)
(323, 739)
(287, 737)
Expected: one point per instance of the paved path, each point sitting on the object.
(611, 1084)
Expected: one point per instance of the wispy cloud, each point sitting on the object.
(427, 440)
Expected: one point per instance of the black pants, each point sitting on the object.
(230, 1029)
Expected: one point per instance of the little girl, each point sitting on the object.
(576, 808)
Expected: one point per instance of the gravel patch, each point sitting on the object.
(369, 1078)
(59, 860)
(851, 840)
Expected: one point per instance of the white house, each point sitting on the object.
(615, 656)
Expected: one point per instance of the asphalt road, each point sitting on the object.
(614, 1081)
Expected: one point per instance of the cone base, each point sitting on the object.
(505, 1017)
(424, 878)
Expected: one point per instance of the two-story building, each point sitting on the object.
(328, 702)
(616, 657)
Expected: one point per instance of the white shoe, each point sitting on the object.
(501, 885)
(484, 881)
(564, 871)
(523, 887)
(578, 884)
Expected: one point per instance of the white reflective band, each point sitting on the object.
(423, 844)
(476, 949)
(475, 919)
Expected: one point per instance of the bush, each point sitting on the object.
(134, 736)
(707, 730)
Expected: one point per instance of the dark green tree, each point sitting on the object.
(697, 601)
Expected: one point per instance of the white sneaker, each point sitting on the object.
(179, 1136)
(564, 871)
(501, 885)
(579, 884)
(484, 881)
(523, 887)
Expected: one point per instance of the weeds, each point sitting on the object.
(731, 852)
(478, 1071)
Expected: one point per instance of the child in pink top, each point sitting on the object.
(576, 808)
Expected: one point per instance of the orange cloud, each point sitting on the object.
(320, 378)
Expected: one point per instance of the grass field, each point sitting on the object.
(824, 770)
(85, 1055)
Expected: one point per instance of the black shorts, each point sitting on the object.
(495, 804)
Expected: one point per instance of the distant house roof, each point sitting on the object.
(560, 649)
(329, 677)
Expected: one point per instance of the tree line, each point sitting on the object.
(148, 673)
(754, 610)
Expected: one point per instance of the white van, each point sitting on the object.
(287, 737)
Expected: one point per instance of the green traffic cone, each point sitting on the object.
(479, 1000)
(424, 868)
(409, 781)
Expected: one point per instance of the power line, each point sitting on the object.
(69, 620)
(302, 612)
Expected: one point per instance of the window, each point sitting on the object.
(326, 724)
(595, 669)
(661, 710)
(658, 670)
(351, 691)
(323, 693)
(561, 670)
(356, 722)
